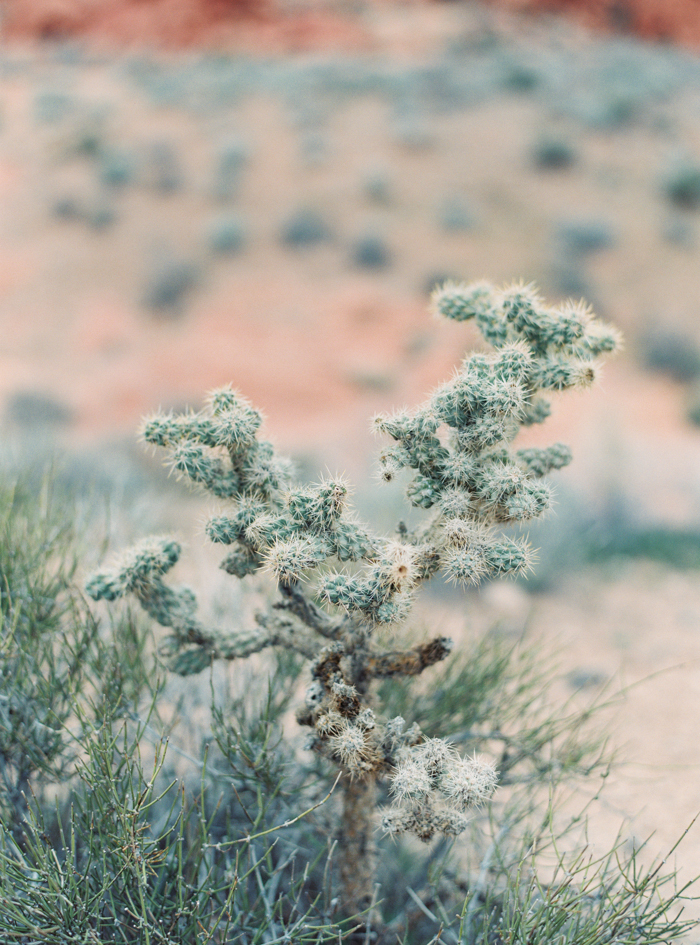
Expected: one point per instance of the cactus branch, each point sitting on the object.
(409, 662)
(293, 599)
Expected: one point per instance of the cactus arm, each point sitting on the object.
(295, 601)
(408, 662)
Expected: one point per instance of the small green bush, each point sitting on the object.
(552, 153)
(681, 186)
(305, 227)
(227, 234)
(371, 252)
(169, 286)
(671, 353)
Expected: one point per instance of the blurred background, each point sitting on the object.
(264, 192)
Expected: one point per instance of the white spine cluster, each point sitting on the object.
(434, 787)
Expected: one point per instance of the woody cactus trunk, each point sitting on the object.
(339, 584)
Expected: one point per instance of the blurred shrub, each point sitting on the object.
(455, 215)
(681, 185)
(371, 252)
(376, 185)
(673, 354)
(518, 76)
(305, 227)
(169, 285)
(411, 128)
(226, 234)
(116, 168)
(583, 237)
(101, 215)
(52, 106)
(33, 410)
(678, 231)
(553, 153)
(314, 148)
(231, 161)
(67, 207)
(163, 170)
(692, 411)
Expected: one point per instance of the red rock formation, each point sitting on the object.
(174, 24)
(676, 21)
(264, 24)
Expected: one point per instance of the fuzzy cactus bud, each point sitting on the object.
(538, 462)
(241, 561)
(468, 782)
(160, 429)
(104, 586)
(460, 302)
(151, 557)
(391, 611)
(396, 567)
(514, 362)
(191, 661)
(434, 754)
(557, 373)
(410, 780)
(235, 428)
(529, 501)
(350, 746)
(288, 559)
(338, 588)
(464, 565)
(522, 307)
(536, 411)
(423, 492)
(350, 542)
(508, 556)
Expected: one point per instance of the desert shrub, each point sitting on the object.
(377, 185)
(313, 147)
(678, 231)
(34, 410)
(227, 234)
(579, 238)
(116, 168)
(681, 185)
(371, 252)
(305, 227)
(56, 657)
(101, 214)
(53, 106)
(671, 353)
(550, 153)
(518, 76)
(163, 169)
(231, 161)
(67, 207)
(411, 127)
(455, 215)
(170, 284)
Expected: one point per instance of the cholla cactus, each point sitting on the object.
(339, 583)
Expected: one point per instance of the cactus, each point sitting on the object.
(339, 584)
